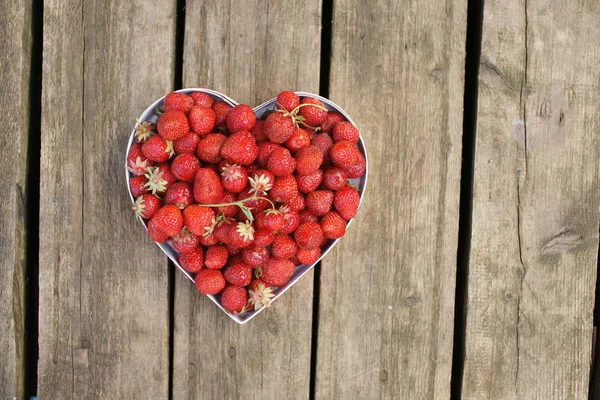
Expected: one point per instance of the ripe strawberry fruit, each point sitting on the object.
(202, 120)
(323, 141)
(345, 131)
(319, 202)
(210, 281)
(160, 179)
(180, 194)
(346, 202)
(308, 257)
(287, 101)
(232, 249)
(207, 187)
(202, 99)
(221, 230)
(178, 101)
(137, 185)
(259, 131)
(255, 256)
(241, 117)
(137, 163)
(146, 205)
(238, 274)
(186, 143)
(313, 116)
(308, 235)
(184, 167)
(359, 169)
(291, 220)
(298, 140)
(158, 149)
(331, 119)
(283, 188)
(216, 256)
(240, 148)
(263, 237)
(308, 160)
(234, 299)
(221, 109)
(335, 178)
(264, 152)
(242, 234)
(333, 225)
(344, 154)
(283, 246)
(172, 125)
(144, 131)
(185, 242)
(281, 162)
(296, 202)
(271, 219)
(308, 183)
(306, 216)
(155, 234)
(234, 178)
(277, 272)
(279, 127)
(260, 294)
(209, 148)
(197, 219)
(168, 220)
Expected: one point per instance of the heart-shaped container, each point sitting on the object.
(150, 116)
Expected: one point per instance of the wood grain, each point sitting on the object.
(103, 325)
(15, 47)
(536, 203)
(249, 51)
(387, 290)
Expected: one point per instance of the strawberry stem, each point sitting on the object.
(241, 204)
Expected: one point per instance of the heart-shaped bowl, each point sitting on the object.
(150, 116)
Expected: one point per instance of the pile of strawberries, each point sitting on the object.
(245, 201)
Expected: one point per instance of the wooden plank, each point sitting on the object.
(103, 325)
(387, 290)
(536, 202)
(250, 51)
(15, 47)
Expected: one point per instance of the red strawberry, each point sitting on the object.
(283, 188)
(216, 257)
(308, 183)
(155, 234)
(313, 115)
(144, 131)
(184, 167)
(345, 131)
(221, 231)
(264, 152)
(232, 249)
(227, 211)
(308, 257)
(221, 109)
(323, 141)
(159, 178)
(252, 168)
(202, 120)
(296, 202)
(208, 240)
(263, 237)
(157, 149)
(331, 119)
(259, 132)
(172, 125)
(137, 185)
(281, 162)
(238, 274)
(198, 220)
(254, 255)
(241, 235)
(308, 235)
(277, 272)
(202, 99)
(260, 294)
(178, 101)
(335, 178)
(185, 242)
(207, 187)
(359, 169)
(291, 220)
(333, 225)
(209, 148)
(186, 143)
(137, 163)
(180, 194)
(254, 205)
(279, 127)
(306, 216)
(298, 140)
(272, 219)
(346, 202)
(240, 148)
(210, 281)
(261, 181)
(294, 259)
(283, 246)
(234, 299)
(287, 101)
(168, 220)
(308, 160)
(344, 154)
(147, 205)
(241, 117)
(319, 202)
(192, 261)
(234, 178)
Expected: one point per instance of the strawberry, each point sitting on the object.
(346, 202)
(172, 125)
(221, 109)
(234, 178)
(335, 178)
(283, 246)
(287, 101)
(240, 148)
(147, 205)
(283, 188)
(281, 162)
(344, 154)
(137, 163)
(263, 237)
(277, 272)
(202, 120)
(272, 219)
(308, 257)
(155, 234)
(180, 194)
(178, 101)
(198, 220)
(308, 160)
(192, 261)
(221, 230)
(264, 152)
(261, 181)
(158, 149)
(333, 225)
(208, 239)
(308, 235)
(294, 260)
(308, 183)
(345, 131)
(313, 116)
(159, 178)
(234, 299)
(260, 294)
(209, 148)
(202, 99)
(186, 143)
(216, 257)
(254, 205)
(144, 131)
(207, 187)
(238, 274)
(210, 281)
(331, 119)
(359, 169)
(319, 202)
(291, 220)
(241, 235)
(137, 185)
(227, 211)
(168, 220)
(259, 132)
(184, 167)
(323, 141)
(232, 249)
(296, 202)
(241, 117)
(306, 216)
(185, 242)
(255, 256)
(279, 127)
(298, 140)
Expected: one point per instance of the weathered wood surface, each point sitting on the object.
(15, 47)
(387, 290)
(103, 325)
(536, 201)
(249, 51)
